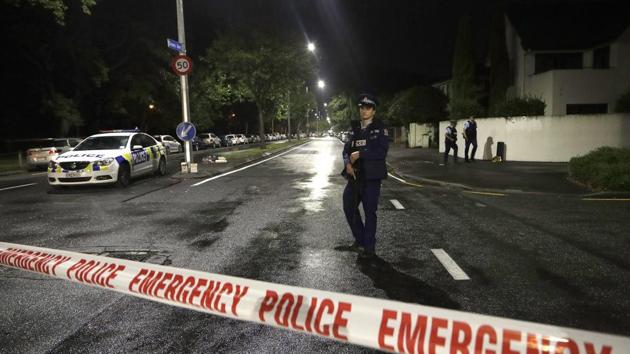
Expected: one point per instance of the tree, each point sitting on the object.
(499, 62)
(343, 109)
(419, 104)
(464, 91)
(257, 67)
(57, 8)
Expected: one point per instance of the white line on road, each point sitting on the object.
(454, 270)
(39, 173)
(246, 167)
(397, 204)
(396, 178)
(16, 187)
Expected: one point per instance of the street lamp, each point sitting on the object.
(311, 47)
(151, 106)
(321, 84)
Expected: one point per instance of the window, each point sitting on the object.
(552, 61)
(589, 108)
(601, 58)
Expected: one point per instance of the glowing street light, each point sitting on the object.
(311, 46)
(151, 106)
(321, 84)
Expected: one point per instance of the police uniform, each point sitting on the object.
(470, 127)
(450, 144)
(372, 144)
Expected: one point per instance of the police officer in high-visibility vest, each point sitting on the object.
(450, 142)
(470, 138)
(364, 167)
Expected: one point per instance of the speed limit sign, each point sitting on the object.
(181, 64)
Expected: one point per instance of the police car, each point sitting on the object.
(113, 157)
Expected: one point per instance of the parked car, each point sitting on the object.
(170, 144)
(254, 139)
(209, 140)
(108, 158)
(229, 140)
(41, 151)
(242, 139)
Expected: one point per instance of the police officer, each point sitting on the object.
(450, 140)
(364, 159)
(470, 138)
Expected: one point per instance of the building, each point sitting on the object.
(575, 57)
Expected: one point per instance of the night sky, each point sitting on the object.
(362, 45)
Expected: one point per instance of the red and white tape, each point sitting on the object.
(375, 323)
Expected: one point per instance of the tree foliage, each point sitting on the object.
(419, 104)
(342, 109)
(499, 62)
(516, 107)
(623, 103)
(464, 91)
(258, 67)
(57, 8)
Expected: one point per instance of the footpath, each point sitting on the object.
(425, 166)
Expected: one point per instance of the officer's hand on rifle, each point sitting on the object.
(350, 171)
(354, 156)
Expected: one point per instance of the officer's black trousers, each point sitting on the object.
(473, 142)
(368, 193)
(450, 145)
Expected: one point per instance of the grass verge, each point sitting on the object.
(603, 169)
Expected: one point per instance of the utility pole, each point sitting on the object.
(183, 79)
(289, 115)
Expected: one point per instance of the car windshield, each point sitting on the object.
(103, 143)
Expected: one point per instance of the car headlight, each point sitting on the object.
(103, 162)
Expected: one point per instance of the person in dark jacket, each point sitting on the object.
(450, 142)
(470, 138)
(364, 167)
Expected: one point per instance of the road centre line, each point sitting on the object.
(246, 167)
(397, 204)
(451, 267)
(16, 187)
(486, 193)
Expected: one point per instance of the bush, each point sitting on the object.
(604, 169)
(464, 108)
(623, 103)
(516, 107)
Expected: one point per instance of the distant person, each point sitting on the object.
(450, 140)
(470, 138)
(364, 167)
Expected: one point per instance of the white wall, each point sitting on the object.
(545, 138)
(420, 135)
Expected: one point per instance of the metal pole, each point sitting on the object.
(289, 115)
(181, 37)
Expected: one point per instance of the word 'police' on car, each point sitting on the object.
(114, 157)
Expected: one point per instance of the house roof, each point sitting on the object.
(564, 25)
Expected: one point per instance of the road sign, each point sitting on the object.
(181, 64)
(174, 45)
(186, 131)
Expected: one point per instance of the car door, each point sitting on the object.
(151, 146)
(140, 159)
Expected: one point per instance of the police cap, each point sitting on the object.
(366, 99)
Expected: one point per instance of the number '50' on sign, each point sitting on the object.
(181, 64)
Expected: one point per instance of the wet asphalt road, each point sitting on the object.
(545, 258)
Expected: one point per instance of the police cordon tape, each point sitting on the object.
(376, 323)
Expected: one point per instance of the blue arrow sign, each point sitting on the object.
(174, 45)
(186, 131)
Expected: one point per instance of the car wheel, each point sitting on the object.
(161, 170)
(124, 176)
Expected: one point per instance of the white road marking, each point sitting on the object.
(397, 204)
(246, 167)
(396, 178)
(454, 270)
(16, 187)
(39, 173)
